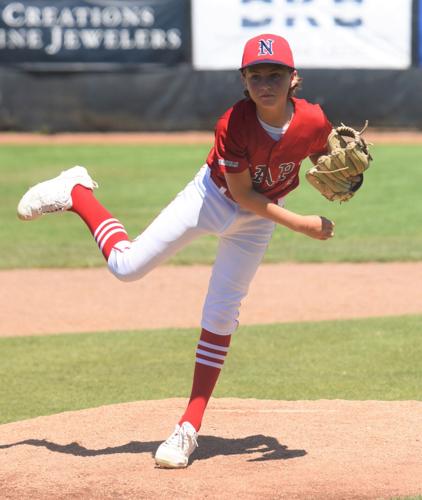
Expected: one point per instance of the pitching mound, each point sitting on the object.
(247, 449)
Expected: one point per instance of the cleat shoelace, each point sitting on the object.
(181, 439)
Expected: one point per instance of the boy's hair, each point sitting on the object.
(296, 85)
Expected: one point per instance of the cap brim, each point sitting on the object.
(266, 61)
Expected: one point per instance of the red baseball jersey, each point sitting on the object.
(241, 143)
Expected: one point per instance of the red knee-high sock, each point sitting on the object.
(210, 355)
(106, 230)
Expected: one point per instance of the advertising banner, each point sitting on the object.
(322, 33)
(94, 32)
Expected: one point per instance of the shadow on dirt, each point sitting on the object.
(268, 447)
(209, 446)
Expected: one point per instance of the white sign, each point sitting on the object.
(322, 33)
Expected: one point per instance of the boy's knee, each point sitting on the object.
(223, 322)
(122, 267)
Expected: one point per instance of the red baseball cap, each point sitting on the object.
(267, 48)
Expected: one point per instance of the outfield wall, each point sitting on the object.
(184, 99)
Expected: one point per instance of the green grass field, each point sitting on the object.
(362, 359)
(382, 222)
(419, 497)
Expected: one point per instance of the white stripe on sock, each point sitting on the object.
(107, 229)
(107, 221)
(209, 363)
(119, 230)
(211, 354)
(213, 346)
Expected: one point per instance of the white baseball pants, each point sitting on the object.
(201, 209)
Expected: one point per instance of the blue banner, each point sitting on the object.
(94, 32)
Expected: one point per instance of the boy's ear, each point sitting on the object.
(293, 77)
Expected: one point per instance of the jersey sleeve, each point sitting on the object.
(320, 145)
(230, 148)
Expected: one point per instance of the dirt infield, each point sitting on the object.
(377, 136)
(57, 301)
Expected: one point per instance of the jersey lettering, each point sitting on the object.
(263, 176)
(260, 174)
(285, 170)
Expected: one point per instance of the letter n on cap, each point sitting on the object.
(265, 47)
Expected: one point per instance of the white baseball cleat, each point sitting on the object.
(53, 195)
(175, 452)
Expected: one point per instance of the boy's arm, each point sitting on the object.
(241, 189)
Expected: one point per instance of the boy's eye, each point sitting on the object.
(271, 77)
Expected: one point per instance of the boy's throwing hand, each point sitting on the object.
(318, 227)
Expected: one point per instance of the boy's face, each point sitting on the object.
(268, 84)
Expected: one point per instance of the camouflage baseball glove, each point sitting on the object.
(339, 174)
